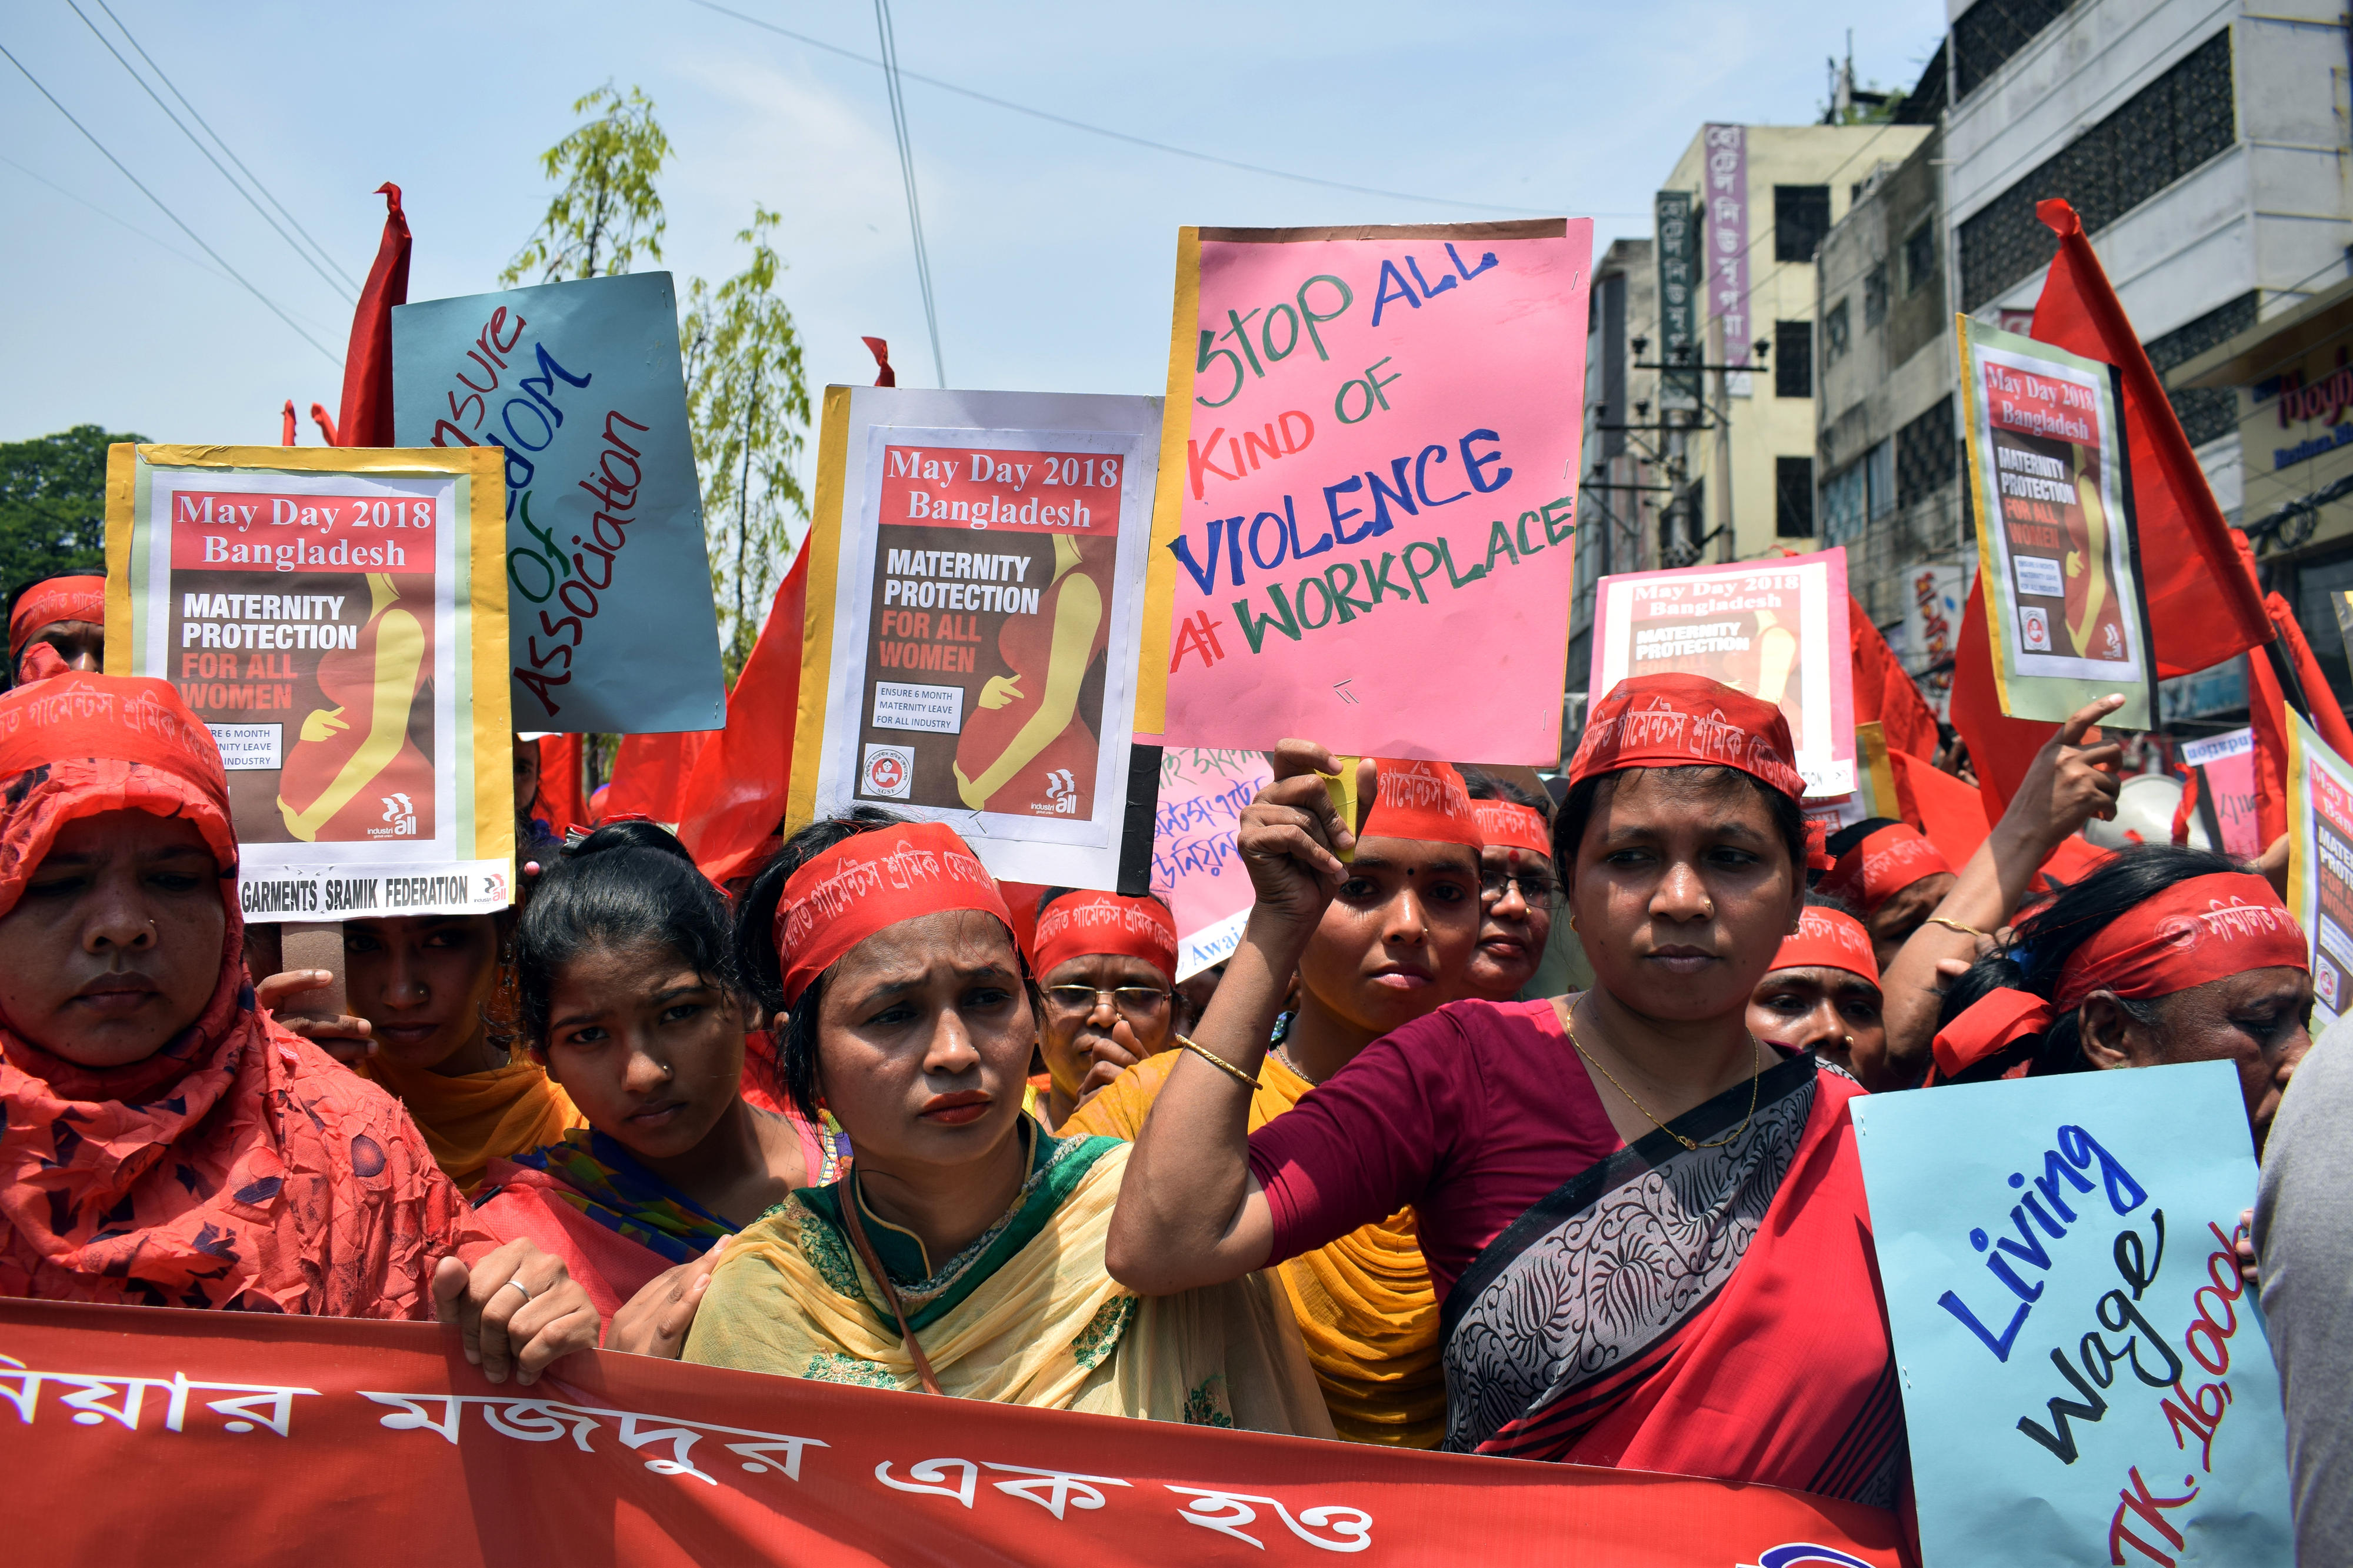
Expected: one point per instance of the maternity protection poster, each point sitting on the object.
(1370, 539)
(976, 591)
(2057, 551)
(2087, 1377)
(1774, 629)
(337, 616)
(578, 388)
(2320, 862)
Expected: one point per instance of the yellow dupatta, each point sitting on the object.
(1365, 1305)
(474, 1119)
(1048, 1327)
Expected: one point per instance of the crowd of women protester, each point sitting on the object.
(842, 1123)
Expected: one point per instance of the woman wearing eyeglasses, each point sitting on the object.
(1396, 942)
(1516, 885)
(1107, 965)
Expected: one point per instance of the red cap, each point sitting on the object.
(1687, 721)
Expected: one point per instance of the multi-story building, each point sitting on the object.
(1761, 200)
(1620, 495)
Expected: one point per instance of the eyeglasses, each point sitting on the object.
(1535, 887)
(1129, 1001)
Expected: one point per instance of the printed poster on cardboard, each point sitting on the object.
(578, 387)
(1774, 629)
(2086, 1378)
(974, 601)
(337, 616)
(2058, 553)
(2320, 862)
(1379, 430)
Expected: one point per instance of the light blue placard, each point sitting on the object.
(2062, 1179)
(609, 585)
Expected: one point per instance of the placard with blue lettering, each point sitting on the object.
(613, 622)
(2087, 1377)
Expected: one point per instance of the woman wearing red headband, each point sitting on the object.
(963, 1252)
(67, 614)
(1893, 876)
(2162, 954)
(1517, 885)
(165, 1144)
(1396, 942)
(1647, 1229)
(1822, 993)
(1107, 966)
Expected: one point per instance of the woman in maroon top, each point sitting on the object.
(1647, 1228)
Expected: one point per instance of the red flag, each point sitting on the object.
(733, 802)
(1949, 812)
(880, 350)
(367, 364)
(560, 801)
(649, 771)
(286, 428)
(325, 423)
(2201, 610)
(2266, 715)
(2001, 748)
(1883, 691)
(2326, 716)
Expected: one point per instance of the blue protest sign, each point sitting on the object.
(612, 621)
(2085, 1379)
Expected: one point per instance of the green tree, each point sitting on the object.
(53, 503)
(748, 397)
(606, 208)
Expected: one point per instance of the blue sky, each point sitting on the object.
(1052, 249)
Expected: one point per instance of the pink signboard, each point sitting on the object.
(1725, 199)
(1196, 863)
(1370, 541)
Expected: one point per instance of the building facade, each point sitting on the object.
(1621, 492)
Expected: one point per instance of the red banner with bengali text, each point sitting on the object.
(161, 1436)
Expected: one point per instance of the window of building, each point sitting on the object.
(1845, 507)
(1835, 329)
(1919, 256)
(1793, 498)
(2160, 133)
(1878, 467)
(1874, 296)
(1802, 216)
(2205, 412)
(1793, 359)
(1989, 32)
(1925, 454)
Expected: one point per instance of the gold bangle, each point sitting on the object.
(1220, 1062)
(1956, 925)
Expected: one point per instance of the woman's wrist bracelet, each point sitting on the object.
(1956, 925)
(1219, 1062)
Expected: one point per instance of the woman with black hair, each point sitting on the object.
(1106, 964)
(963, 1253)
(1517, 884)
(1646, 1229)
(1822, 993)
(2162, 954)
(630, 997)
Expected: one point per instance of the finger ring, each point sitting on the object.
(518, 1285)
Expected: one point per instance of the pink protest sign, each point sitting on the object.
(1196, 863)
(1370, 541)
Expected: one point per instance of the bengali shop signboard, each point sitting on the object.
(2320, 861)
(266, 1441)
(337, 617)
(975, 604)
(578, 388)
(2086, 1378)
(2058, 552)
(1370, 540)
(1774, 629)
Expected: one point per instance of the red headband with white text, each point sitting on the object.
(871, 882)
(1078, 925)
(1826, 939)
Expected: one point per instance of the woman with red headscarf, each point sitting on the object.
(1107, 966)
(1646, 1227)
(166, 1145)
(1822, 993)
(1517, 885)
(68, 616)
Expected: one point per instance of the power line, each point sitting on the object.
(167, 212)
(208, 152)
(907, 172)
(323, 254)
(1139, 141)
(160, 244)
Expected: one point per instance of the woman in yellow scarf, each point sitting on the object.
(421, 987)
(1399, 940)
(963, 1253)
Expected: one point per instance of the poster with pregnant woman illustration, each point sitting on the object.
(338, 617)
(2051, 488)
(974, 608)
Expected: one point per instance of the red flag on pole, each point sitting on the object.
(325, 422)
(734, 801)
(880, 350)
(560, 800)
(366, 418)
(1884, 692)
(286, 426)
(649, 772)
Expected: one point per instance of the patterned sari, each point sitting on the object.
(1710, 1311)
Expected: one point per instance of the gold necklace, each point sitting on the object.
(1755, 1078)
